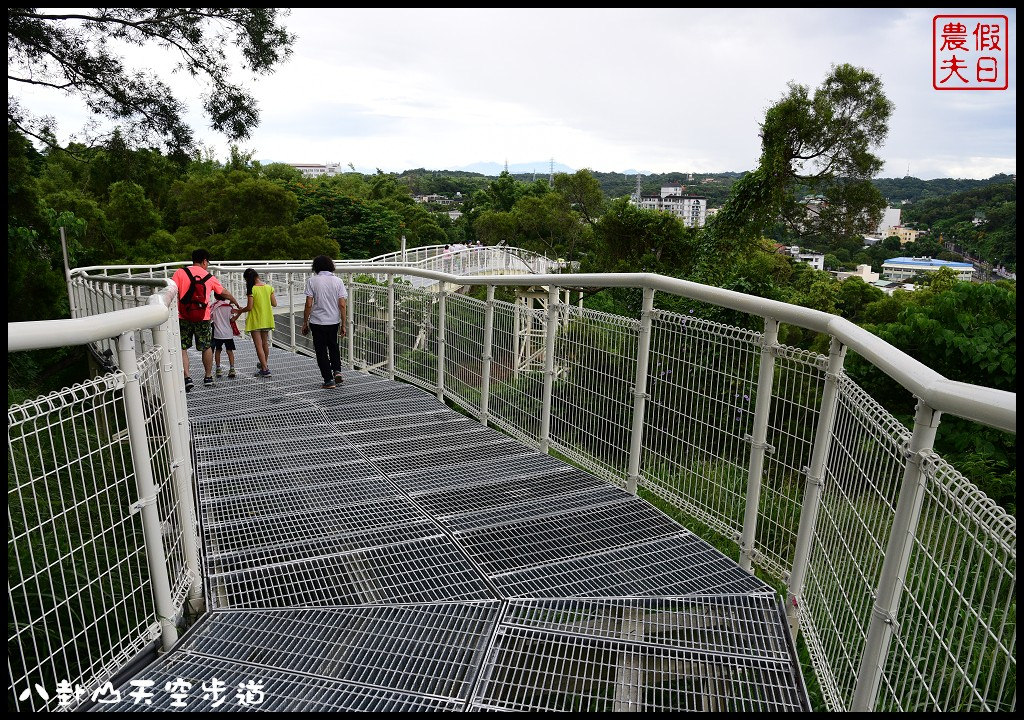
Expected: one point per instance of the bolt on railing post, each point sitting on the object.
(181, 460)
(442, 316)
(897, 559)
(758, 440)
(147, 503)
(550, 331)
(350, 323)
(643, 351)
(391, 326)
(291, 309)
(485, 356)
(815, 481)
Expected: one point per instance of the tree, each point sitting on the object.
(818, 145)
(583, 193)
(71, 53)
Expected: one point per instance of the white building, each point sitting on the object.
(815, 260)
(316, 170)
(863, 272)
(904, 268)
(890, 219)
(691, 209)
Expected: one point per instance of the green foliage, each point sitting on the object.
(74, 54)
(816, 144)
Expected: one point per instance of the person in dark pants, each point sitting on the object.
(324, 316)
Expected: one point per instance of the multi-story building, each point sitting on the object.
(905, 234)
(316, 170)
(903, 268)
(691, 209)
(815, 260)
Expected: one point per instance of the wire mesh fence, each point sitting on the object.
(78, 583)
(954, 635)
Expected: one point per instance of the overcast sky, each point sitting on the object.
(655, 90)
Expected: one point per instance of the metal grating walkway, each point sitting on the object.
(368, 548)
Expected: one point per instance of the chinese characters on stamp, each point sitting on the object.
(970, 52)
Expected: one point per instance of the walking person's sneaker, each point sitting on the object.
(188, 383)
(328, 385)
(231, 373)
(219, 371)
(338, 378)
(207, 382)
(263, 373)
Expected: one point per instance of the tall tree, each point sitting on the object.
(818, 144)
(70, 52)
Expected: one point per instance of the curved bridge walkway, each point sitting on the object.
(367, 548)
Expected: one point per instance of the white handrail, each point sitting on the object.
(989, 406)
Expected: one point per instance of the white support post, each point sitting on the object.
(350, 324)
(172, 382)
(291, 309)
(391, 326)
(815, 482)
(758, 441)
(147, 503)
(643, 350)
(485, 357)
(442, 316)
(517, 331)
(885, 612)
(550, 332)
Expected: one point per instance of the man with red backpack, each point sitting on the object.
(196, 289)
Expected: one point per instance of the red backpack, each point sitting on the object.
(193, 303)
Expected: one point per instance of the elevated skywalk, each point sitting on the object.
(368, 548)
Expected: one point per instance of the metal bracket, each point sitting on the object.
(141, 503)
(816, 480)
(768, 448)
(887, 617)
(641, 394)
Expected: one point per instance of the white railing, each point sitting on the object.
(900, 573)
(102, 539)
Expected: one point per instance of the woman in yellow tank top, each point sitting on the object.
(260, 320)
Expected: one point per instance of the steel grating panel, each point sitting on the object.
(727, 625)
(500, 495)
(246, 547)
(279, 691)
(534, 670)
(356, 478)
(359, 542)
(679, 565)
(578, 533)
(424, 649)
(545, 506)
(468, 472)
(283, 502)
(426, 570)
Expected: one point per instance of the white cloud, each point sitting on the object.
(656, 89)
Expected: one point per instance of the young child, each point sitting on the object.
(260, 320)
(222, 319)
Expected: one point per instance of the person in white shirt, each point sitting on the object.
(324, 316)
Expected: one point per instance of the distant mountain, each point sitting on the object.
(541, 167)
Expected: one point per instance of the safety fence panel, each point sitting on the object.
(702, 381)
(370, 320)
(80, 599)
(464, 346)
(592, 397)
(796, 400)
(955, 640)
(174, 510)
(517, 375)
(862, 482)
(416, 324)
